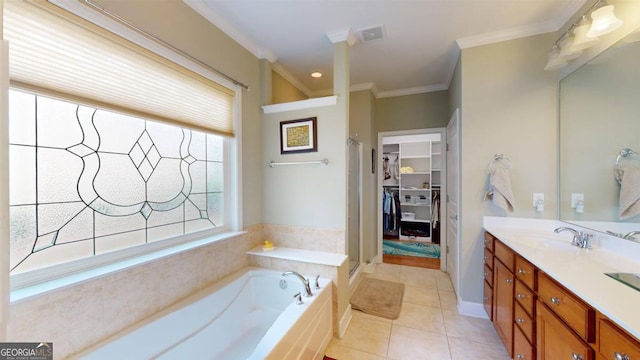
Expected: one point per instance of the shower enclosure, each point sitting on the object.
(353, 248)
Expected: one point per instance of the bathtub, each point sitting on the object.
(249, 315)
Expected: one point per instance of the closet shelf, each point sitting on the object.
(416, 173)
(416, 221)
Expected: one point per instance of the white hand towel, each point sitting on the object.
(630, 192)
(500, 188)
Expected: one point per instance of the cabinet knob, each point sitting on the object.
(522, 271)
(486, 274)
(619, 356)
(486, 258)
(575, 356)
(509, 281)
(555, 300)
(485, 298)
(520, 321)
(520, 296)
(519, 356)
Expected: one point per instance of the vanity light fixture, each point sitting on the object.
(555, 61)
(604, 21)
(316, 74)
(582, 35)
(580, 40)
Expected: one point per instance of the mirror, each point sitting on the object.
(599, 117)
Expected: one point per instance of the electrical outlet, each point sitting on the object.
(537, 197)
(575, 198)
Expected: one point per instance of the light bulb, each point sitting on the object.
(604, 21)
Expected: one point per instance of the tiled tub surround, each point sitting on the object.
(316, 239)
(579, 270)
(78, 316)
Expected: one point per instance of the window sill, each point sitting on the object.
(33, 290)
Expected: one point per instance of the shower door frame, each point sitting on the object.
(353, 273)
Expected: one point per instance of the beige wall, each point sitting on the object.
(509, 106)
(408, 112)
(284, 91)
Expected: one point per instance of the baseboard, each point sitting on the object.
(370, 267)
(473, 309)
(344, 322)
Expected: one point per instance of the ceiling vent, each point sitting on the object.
(372, 34)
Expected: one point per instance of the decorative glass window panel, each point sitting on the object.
(85, 181)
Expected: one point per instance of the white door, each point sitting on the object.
(453, 187)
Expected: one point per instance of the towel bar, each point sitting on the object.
(324, 161)
(500, 157)
(624, 153)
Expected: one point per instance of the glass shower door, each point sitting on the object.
(353, 224)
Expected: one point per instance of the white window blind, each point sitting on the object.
(55, 52)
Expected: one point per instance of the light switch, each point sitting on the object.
(538, 201)
(577, 199)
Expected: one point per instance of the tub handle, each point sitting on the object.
(317, 282)
(298, 297)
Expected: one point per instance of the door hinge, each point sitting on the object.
(447, 147)
(447, 197)
(447, 249)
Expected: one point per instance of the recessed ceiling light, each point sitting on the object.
(316, 74)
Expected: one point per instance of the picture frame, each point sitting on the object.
(299, 136)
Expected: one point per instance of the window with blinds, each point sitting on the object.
(112, 147)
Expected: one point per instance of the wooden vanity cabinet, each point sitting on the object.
(524, 331)
(614, 343)
(538, 318)
(503, 292)
(487, 298)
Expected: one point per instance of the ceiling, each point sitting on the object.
(418, 53)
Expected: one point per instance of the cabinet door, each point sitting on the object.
(556, 341)
(503, 288)
(488, 300)
(615, 344)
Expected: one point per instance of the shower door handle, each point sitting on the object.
(453, 217)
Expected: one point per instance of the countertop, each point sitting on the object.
(580, 270)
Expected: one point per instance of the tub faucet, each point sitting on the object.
(305, 282)
(580, 239)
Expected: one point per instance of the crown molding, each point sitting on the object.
(412, 91)
(505, 35)
(277, 67)
(344, 35)
(205, 11)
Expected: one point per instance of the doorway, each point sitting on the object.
(452, 198)
(411, 179)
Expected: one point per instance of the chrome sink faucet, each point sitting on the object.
(305, 282)
(580, 239)
(632, 235)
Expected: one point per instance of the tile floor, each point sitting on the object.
(429, 326)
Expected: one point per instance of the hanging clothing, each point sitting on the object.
(396, 168)
(385, 168)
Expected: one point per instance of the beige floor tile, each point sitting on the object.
(462, 349)
(341, 352)
(419, 277)
(471, 328)
(411, 344)
(421, 296)
(448, 300)
(384, 271)
(367, 333)
(444, 283)
(422, 318)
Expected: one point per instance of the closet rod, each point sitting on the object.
(324, 161)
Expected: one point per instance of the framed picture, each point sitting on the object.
(298, 136)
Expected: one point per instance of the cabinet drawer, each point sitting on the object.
(488, 258)
(525, 297)
(488, 241)
(554, 340)
(525, 272)
(505, 255)
(615, 344)
(488, 275)
(522, 349)
(487, 299)
(525, 323)
(568, 307)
